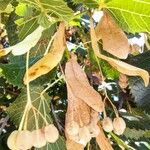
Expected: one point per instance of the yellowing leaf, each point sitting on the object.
(114, 39)
(51, 60)
(25, 45)
(121, 66)
(102, 141)
(78, 82)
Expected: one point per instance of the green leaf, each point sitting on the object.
(141, 60)
(55, 8)
(59, 145)
(136, 134)
(41, 103)
(44, 21)
(88, 3)
(14, 71)
(132, 15)
(21, 9)
(3, 4)
(140, 93)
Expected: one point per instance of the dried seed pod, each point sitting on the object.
(84, 135)
(72, 128)
(107, 124)
(119, 125)
(51, 133)
(11, 141)
(94, 130)
(38, 138)
(24, 140)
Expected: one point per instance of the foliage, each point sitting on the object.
(66, 68)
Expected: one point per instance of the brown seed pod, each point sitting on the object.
(51, 133)
(38, 138)
(24, 140)
(94, 130)
(107, 124)
(11, 141)
(72, 128)
(84, 135)
(119, 125)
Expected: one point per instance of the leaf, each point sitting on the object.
(142, 60)
(140, 93)
(51, 60)
(114, 39)
(3, 4)
(121, 66)
(16, 109)
(88, 3)
(15, 69)
(136, 134)
(25, 45)
(76, 78)
(58, 145)
(54, 7)
(102, 141)
(132, 15)
(41, 103)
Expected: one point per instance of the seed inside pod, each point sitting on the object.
(11, 141)
(84, 135)
(51, 133)
(38, 138)
(72, 128)
(24, 140)
(107, 124)
(119, 125)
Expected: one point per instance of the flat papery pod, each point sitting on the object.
(103, 141)
(51, 60)
(25, 45)
(78, 83)
(78, 113)
(121, 66)
(81, 111)
(71, 145)
(114, 39)
(127, 69)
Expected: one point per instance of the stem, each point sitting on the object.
(49, 44)
(113, 106)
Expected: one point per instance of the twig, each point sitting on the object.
(4, 124)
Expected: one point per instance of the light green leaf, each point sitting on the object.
(132, 15)
(89, 3)
(55, 8)
(21, 9)
(3, 4)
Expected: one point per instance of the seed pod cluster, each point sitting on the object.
(24, 140)
(118, 125)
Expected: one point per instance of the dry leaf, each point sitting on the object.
(78, 82)
(102, 141)
(121, 66)
(25, 45)
(114, 39)
(49, 61)
(71, 145)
